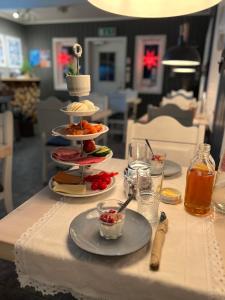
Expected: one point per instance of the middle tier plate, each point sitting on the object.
(60, 131)
(87, 156)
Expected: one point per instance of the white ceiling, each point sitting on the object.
(75, 11)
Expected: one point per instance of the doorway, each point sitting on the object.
(105, 60)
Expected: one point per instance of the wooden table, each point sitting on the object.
(15, 223)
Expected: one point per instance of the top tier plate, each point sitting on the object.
(79, 113)
(60, 131)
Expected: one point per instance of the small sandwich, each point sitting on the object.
(66, 178)
(68, 183)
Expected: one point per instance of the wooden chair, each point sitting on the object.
(6, 154)
(184, 93)
(168, 135)
(181, 102)
(120, 103)
(49, 116)
(185, 117)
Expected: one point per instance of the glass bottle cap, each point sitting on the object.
(170, 195)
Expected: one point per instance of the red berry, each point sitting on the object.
(94, 186)
(102, 185)
(110, 220)
(107, 180)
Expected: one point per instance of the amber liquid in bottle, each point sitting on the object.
(199, 186)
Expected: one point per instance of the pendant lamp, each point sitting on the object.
(153, 8)
(184, 70)
(182, 54)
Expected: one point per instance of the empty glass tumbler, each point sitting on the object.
(218, 196)
(138, 155)
(157, 170)
(148, 205)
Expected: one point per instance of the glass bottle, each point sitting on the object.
(218, 196)
(199, 182)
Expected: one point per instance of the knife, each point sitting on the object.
(158, 242)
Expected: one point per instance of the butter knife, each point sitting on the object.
(158, 242)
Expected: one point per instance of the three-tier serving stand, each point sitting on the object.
(79, 86)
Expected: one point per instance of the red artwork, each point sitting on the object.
(150, 60)
(64, 58)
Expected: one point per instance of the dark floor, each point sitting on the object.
(26, 182)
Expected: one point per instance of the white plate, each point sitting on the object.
(79, 113)
(89, 192)
(58, 131)
(66, 163)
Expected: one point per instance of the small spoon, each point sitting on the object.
(130, 197)
(149, 146)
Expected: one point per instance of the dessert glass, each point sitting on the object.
(110, 221)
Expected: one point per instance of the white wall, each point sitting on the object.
(218, 45)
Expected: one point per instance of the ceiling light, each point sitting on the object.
(182, 54)
(16, 15)
(153, 8)
(184, 70)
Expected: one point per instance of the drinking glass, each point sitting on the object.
(148, 205)
(138, 155)
(138, 158)
(144, 180)
(157, 170)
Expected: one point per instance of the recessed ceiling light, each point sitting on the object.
(16, 15)
(153, 8)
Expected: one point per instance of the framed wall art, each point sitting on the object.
(148, 69)
(40, 58)
(2, 51)
(62, 60)
(14, 52)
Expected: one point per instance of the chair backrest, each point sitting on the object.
(117, 102)
(168, 135)
(100, 100)
(6, 128)
(118, 99)
(185, 117)
(180, 101)
(49, 115)
(184, 93)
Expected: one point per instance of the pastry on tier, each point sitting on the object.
(80, 131)
(80, 109)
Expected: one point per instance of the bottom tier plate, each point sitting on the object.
(89, 192)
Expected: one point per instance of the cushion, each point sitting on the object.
(57, 141)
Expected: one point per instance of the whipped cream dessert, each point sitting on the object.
(82, 106)
(111, 224)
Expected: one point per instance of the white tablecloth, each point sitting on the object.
(191, 267)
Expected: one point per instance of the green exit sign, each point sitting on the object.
(107, 31)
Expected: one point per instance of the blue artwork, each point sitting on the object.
(34, 57)
(40, 58)
(14, 47)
